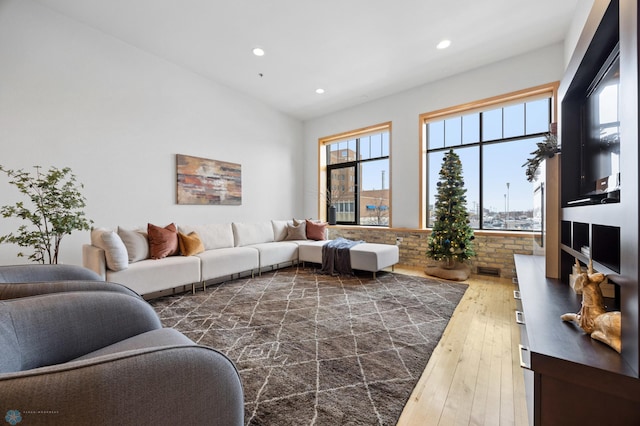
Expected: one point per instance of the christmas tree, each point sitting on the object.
(451, 237)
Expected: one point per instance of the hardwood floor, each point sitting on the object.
(473, 376)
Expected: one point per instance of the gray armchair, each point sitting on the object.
(102, 357)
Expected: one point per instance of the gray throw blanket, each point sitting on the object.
(336, 258)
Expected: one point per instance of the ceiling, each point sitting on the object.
(356, 50)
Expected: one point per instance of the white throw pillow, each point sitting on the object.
(137, 244)
(114, 249)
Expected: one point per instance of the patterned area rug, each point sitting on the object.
(320, 350)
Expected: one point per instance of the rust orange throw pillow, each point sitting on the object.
(163, 242)
(190, 244)
(316, 230)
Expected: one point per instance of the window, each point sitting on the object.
(355, 176)
(493, 138)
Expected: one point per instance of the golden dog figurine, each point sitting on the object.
(592, 317)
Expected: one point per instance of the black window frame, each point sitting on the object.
(481, 143)
(356, 164)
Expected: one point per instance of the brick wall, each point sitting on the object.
(493, 249)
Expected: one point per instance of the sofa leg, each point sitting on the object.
(374, 275)
(193, 288)
(204, 285)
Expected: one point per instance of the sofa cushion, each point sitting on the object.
(114, 249)
(148, 276)
(316, 230)
(310, 251)
(228, 261)
(278, 252)
(213, 236)
(163, 242)
(280, 229)
(136, 243)
(374, 257)
(190, 244)
(252, 233)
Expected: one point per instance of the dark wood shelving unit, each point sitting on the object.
(571, 379)
(606, 233)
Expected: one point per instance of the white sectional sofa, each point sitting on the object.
(229, 249)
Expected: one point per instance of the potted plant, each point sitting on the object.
(55, 210)
(546, 149)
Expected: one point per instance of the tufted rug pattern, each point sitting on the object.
(314, 349)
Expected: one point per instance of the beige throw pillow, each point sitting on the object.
(296, 232)
(136, 243)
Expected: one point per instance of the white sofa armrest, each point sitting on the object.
(94, 258)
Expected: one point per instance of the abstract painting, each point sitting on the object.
(203, 181)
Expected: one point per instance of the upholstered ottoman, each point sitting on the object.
(364, 257)
(373, 257)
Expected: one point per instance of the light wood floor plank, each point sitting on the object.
(473, 376)
(483, 379)
(459, 404)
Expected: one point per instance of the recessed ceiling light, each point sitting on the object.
(444, 44)
(258, 51)
(319, 91)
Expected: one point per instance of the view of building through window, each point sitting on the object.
(492, 146)
(358, 178)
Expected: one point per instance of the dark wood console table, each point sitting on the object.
(570, 379)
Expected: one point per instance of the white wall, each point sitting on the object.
(535, 68)
(73, 96)
(577, 24)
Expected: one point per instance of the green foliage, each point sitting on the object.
(545, 149)
(451, 238)
(53, 212)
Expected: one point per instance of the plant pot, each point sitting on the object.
(459, 272)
